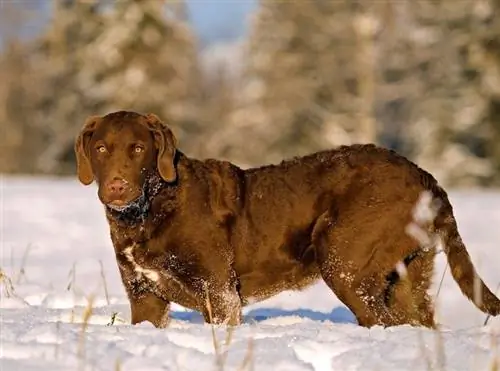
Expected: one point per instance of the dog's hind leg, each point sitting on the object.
(408, 297)
(359, 287)
(362, 239)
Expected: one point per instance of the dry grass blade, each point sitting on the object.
(440, 352)
(441, 281)
(105, 285)
(113, 319)
(425, 354)
(6, 282)
(8, 287)
(247, 360)
(87, 314)
(72, 276)
(495, 365)
(487, 319)
(229, 335)
(218, 357)
(56, 350)
(22, 270)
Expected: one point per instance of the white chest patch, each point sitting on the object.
(140, 271)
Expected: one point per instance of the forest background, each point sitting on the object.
(255, 82)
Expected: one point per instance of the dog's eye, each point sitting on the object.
(101, 149)
(138, 149)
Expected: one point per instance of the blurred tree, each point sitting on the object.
(60, 98)
(145, 59)
(220, 87)
(218, 96)
(43, 100)
(16, 145)
(15, 76)
(309, 81)
(430, 92)
(98, 56)
(483, 66)
(418, 76)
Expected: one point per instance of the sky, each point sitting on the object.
(213, 20)
(220, 20)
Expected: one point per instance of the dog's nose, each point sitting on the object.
(116, 187)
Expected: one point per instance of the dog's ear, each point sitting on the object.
(166, 143)
(83, 165)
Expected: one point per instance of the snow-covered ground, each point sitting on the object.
(54, 241)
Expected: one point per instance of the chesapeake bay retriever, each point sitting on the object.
(213, 237)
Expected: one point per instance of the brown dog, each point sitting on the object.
(213, 237)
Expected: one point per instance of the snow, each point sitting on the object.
(56, 252)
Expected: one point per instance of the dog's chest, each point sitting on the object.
(159, 275)
(138, 265)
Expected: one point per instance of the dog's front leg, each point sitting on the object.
(222, 304)
(144, 304)
(151, 308)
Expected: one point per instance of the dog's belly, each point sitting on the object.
(263, 283)
(177, 292)
(286, 261)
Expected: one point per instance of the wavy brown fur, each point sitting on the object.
(208, 230)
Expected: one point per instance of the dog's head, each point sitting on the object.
(120, 151)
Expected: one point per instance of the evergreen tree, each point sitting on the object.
(94, 57)
(62, 102)
(42, 101)
(484, 65)
(16, 150)
(445, 130)
(146, 60)
(417, 76)
(307, 81)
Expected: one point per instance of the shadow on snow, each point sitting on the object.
(337, 315)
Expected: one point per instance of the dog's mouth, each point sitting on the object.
(124, 206)
(136, 208)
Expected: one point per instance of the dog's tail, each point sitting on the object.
(462, 270)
